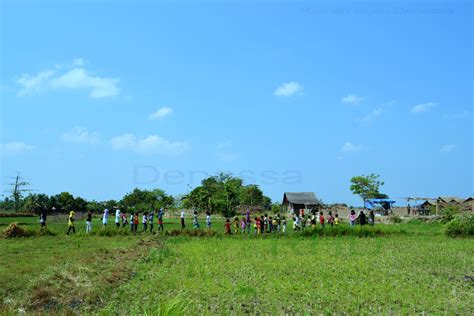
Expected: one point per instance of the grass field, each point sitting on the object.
(416, 270)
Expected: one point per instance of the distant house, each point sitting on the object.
(427, 205)
(449, 200)
(469, 204)
(294, 201)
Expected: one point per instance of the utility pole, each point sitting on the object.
(18, 187)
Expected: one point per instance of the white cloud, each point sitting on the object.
(349, 147)
(77, 78)
(352, 99)
(148, 145)
(80, 135)
(423, 107)
(30, 84)
(15, 148)
(288, 89)
(224, 152)
(372, 115)
(74, 77)
(161, 113)
(447, 148)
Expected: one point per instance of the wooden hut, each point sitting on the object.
(294, 201)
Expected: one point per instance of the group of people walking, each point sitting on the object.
(258, 225)
(122, 220)
(300, 221)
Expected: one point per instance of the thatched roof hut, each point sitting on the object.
(294, 201)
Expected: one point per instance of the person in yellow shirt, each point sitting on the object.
(71, 223)
(336, 219)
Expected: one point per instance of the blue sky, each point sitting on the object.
(98, 98)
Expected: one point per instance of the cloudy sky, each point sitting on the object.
(98, 98)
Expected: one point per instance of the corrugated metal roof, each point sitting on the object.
(301, 198)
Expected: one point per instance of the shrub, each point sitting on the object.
(14, 230)
(448, 213)
(462, 226)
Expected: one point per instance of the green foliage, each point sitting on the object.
(276, 208)
(448, 213)
(462, 226)
(146, 200)
(367, 187)
(223, 193)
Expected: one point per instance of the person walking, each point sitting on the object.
(243, 223)
(160, 220)
(132, 226)
(248, 221)
(151, 218)
(371, 218)
(71, 223)
(135, 222)
(145, 221)
(330, 219)
(89, 222)
(117, 217)
(182, 219)
(322, 219)
(105, 218)
(124, 220)
(195, 220)
(362, 218)
(42, 218)
(352, 218)
(208, 220)
(227, 227)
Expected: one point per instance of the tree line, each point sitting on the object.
(222, 193)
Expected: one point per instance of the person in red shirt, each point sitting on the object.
(135, 222)
(321, 219)
(227, 227)
(258, 224)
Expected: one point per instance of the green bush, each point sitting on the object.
(462, 226)
(448, 213)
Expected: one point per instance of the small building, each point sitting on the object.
(294, 201)
(450, 200)
(427, 205)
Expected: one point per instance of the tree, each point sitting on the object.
(146, 200)
(65, 202)
(36, 203)
(367, 187)
(224, 193)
